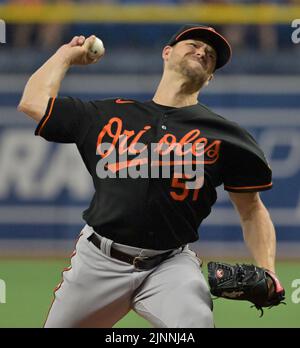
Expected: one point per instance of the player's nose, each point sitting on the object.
(201, 54)
(201, 51)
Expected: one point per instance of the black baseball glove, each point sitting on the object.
(245, 282)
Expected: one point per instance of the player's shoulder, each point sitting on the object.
(214, 115)
(222, 120)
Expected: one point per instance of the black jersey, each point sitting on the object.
(154, 212)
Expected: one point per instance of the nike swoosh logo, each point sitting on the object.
(121, 101)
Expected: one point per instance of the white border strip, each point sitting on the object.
(11, 117)
(261, 117)
(18, 248)
(134, 83)
(228, 217)
(50, 214)
(63, 215)
(256, 117)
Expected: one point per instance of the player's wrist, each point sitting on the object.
(63, 57)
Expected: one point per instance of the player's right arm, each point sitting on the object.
(258, 229)
(45, 82)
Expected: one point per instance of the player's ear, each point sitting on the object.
(208, 80)
(166, 52)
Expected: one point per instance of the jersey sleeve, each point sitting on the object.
(245, 168)
(67, 120)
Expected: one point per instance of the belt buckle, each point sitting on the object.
(138, 259)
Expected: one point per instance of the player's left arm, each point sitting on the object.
(257, 226)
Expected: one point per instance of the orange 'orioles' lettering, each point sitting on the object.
(202, 151)
(114, 130)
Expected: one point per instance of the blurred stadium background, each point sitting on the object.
(44, 187)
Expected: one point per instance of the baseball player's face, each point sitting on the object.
(191, 58)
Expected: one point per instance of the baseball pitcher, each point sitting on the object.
(155, 167)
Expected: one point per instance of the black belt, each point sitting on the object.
(139, 262)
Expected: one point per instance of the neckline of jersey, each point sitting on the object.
(169, 108)
(160, 106)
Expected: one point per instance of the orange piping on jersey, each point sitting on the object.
(70, 267)
(53, 299)
(247, 187)
(47, 118)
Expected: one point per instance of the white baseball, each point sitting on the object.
(97, 48)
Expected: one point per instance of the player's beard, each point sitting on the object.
(195, 75)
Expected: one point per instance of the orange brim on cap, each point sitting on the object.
(210, 36)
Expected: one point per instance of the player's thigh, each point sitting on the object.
(91, 292)
(176, 294)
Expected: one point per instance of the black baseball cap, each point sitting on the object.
(207, 34)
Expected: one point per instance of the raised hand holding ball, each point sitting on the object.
(97, 48)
